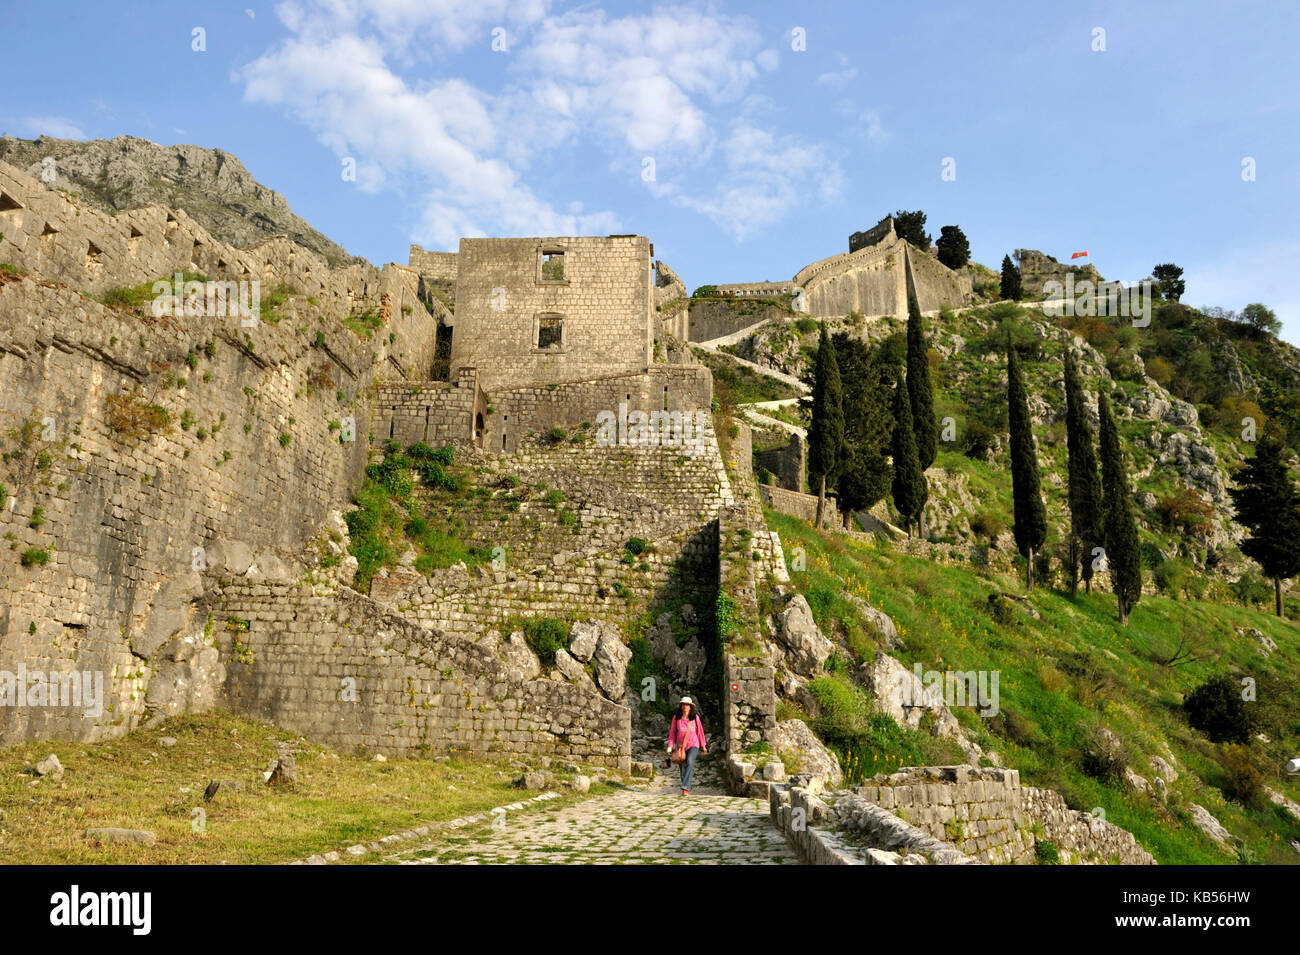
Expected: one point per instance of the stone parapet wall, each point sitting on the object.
(849, 831)
(802, 506)
(987, 814)
(436, 265)
(787, 464)
(56, 236)
(433, 412)
(344, 672)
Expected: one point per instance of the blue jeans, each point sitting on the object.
(688, 767)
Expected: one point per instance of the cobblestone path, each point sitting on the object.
(630, 827)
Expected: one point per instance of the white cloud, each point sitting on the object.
(56, 126)
(840, 78)
(443, 134)
(766, 178)
(663, 85)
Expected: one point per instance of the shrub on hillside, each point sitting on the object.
(546, 636)
(987, 524)
(1242, 779)
(1217, 710)
(1171, 576)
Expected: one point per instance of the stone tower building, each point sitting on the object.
(553, 310)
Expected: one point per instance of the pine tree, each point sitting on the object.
(1085, 479)
(1030, 515)
(866, 385)
(1268, 505)
(826, 435)
(1010, 280)
(1123, 551)
(920, 392)
(909, 486)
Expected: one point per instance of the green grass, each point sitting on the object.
(393, 513)
(364, 324)
(1065, 674)
(133, 782)
(744, 384)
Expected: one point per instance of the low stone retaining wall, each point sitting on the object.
(342, 671)
(947, 815)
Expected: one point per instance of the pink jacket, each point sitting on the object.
(687, 734)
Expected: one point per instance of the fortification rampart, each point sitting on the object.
(343, 672)
(140, 447)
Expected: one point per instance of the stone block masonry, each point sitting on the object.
(436, 265)
(241, 441)
(344, 672)
(988, 815)
(520, 412)
(593, 298)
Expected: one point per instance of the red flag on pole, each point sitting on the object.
(1079, 255)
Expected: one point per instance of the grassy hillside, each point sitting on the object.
(1071, 672)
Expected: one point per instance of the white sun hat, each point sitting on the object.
(687, 699)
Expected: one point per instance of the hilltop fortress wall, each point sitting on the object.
(139, 450)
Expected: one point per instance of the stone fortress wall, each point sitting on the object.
(252, 451)
(437, 265)
(343, 671)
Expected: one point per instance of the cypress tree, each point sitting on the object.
(1010, 280)
(866, 385)
(826, 435)
(1029, 513)
(1268, 505)
(1123, 551)
(1085, 479)
(920, 393)
(909, 486)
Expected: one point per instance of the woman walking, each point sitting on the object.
(686, 740)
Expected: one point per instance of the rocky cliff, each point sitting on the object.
(210, 184)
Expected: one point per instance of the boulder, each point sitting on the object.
(581, 784)
(573, 671)
(1164, 770)
(583, 638)
(611, 658)
(1136, 782)
(900, 694)
(138, 836)
(1209, 825)
(519, 656)
(228, 557)
(882, 622)
(806, 648)
(793, 738)
(685, 664)
(51, 767)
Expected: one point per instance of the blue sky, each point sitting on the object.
(705, 127)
